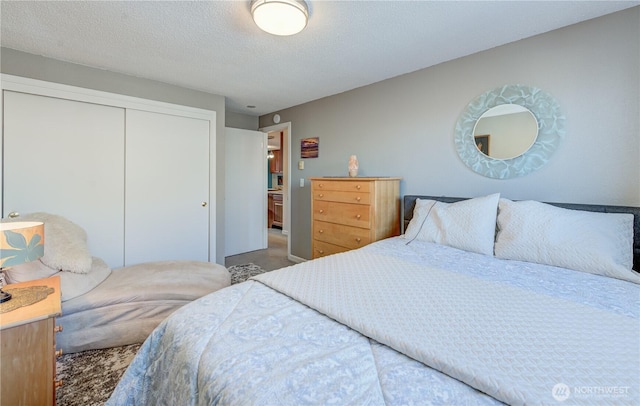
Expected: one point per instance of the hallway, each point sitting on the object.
(274, 257)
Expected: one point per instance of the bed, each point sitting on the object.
(443, 314)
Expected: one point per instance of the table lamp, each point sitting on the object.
(20, 242)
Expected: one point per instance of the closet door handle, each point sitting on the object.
(204, 204)
(14, 214)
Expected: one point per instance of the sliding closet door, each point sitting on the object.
(67, 158)
(166, 188)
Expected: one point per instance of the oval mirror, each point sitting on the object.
(505, 131)
(545, 112)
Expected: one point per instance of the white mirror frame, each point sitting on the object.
(550, 131)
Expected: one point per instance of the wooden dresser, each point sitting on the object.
(349, 213)
(28, 355)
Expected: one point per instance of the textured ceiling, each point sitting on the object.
(214, 46)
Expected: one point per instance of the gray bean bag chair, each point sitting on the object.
(132, 301)
(104, 308)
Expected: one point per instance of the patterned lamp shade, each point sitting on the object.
(20, 242)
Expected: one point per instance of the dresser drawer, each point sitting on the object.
(342, 185)
(344, 197)
(322, 249)
(338, 234)
(357, 215)
(349, 213)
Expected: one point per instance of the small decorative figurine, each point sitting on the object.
(353, 166)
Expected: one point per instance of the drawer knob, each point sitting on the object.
(321, 251)
(59, 353)
(321, 211)
(320, 185)
(357, 240)
(358, 187)
(58, 384)
(321, 231)
(358, 198)
(321, 195)
(57, 329)
(358, 217)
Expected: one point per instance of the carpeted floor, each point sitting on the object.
(240, 273)
(89, 377)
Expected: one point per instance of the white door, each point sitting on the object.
(166, 188)
(245, 191)
(67, 158)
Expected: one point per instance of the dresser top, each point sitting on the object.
(356, 178)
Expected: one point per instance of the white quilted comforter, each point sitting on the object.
(416, 324)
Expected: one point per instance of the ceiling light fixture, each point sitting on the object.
(280, 17)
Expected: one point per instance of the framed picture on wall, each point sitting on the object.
(309, 147)
(482, 143)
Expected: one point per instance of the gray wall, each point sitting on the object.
(37, 67)
(243, 121)
(405, 126)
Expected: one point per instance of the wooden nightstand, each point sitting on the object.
(28, 354)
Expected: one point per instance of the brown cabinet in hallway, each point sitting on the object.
(275, 163)
(274, 210)
(277, 210)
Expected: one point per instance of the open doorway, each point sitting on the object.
(279, 186)
(246, 194)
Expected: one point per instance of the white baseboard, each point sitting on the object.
(296, 259)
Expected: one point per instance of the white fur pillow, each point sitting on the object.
(71, 284)
(74, 284)
(65, 243)
(598, 243)
(468, 225)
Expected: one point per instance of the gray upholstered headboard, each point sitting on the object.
(410, 201)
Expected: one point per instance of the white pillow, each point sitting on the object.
(65, 243)
(421, 210)
(468, 225)
(28, 271)
(598, 243)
